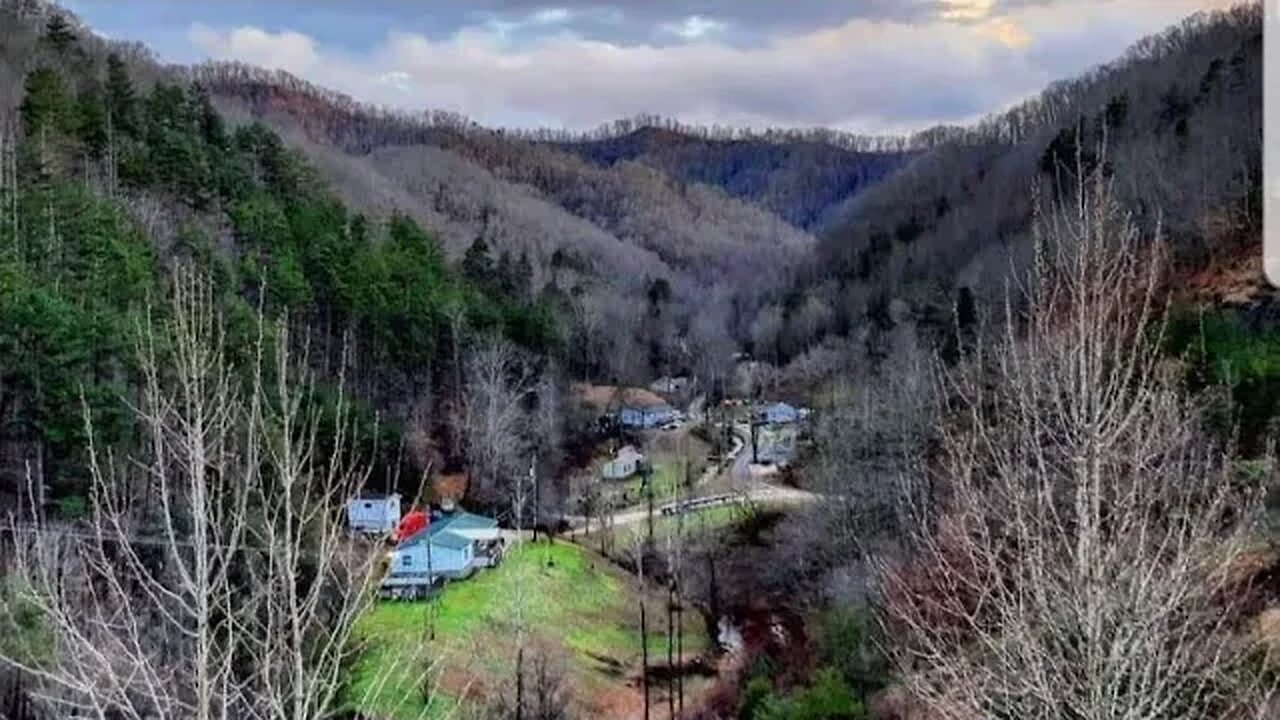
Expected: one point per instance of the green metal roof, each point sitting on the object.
(443, 530)
(449, 540)
(466, 521)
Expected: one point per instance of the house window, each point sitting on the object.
(406, 560)
(368, 506)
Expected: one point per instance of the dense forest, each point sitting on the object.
(108, 186)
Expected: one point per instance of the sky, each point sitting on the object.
(869, 66)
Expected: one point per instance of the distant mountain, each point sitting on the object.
(604, 233)
(797, 179)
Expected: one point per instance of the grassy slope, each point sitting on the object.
(573, 602)
(698, 523)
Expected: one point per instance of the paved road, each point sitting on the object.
(760, 494)
(746, 489)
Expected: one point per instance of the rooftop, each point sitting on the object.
(628, 452)
(605, 397)
(444, 527)
(376, 496)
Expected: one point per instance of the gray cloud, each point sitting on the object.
(863, 65)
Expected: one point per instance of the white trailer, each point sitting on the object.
(373, 514)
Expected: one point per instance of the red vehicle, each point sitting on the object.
(410, 525)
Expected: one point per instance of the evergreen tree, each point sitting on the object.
(523, 278)
(212, 130)
(122, 102)
(47, 106)
(91, 120)
(506, 275)
(477, 265)
(659, 295)
(58, 33)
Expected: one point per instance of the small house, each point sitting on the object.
(625, 464)
(452, 546)
(632, 408)
(779, 414)
(646, 417)
(373, 514)
(669, 385)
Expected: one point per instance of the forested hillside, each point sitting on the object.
(1176, 124)
(608, 234)
(108, 185)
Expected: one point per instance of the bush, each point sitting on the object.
(1220, 351)
(846, 643)
(73, 507)
(829, 698)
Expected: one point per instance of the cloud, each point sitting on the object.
(291, 51)
(957, 61)
(694, 27)
(1008, 33)
(966, 10)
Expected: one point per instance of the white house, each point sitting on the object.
(452, 546)
(623, 465)
(375, 514)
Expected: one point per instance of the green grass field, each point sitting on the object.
(566, 598)
(668, 482)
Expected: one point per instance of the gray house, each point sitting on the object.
(451, 547)
(633, 408)
(625, 464)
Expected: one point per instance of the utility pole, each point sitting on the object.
(755, 444)
(671, 644)
(644, 650)
(533, 479)
(647, 478)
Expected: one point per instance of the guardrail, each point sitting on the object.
(701, 503)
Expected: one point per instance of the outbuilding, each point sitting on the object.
(373, 513)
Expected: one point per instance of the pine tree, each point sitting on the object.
(91, 121)
(48, 103)
(506, 275)
(477, 265)
(523, 277)
(59, 33)
(122, 102)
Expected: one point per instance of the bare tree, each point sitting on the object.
(541, 694)
(237, 594)
(499, 385)
(1086, 558)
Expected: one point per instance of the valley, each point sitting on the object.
(692, 422)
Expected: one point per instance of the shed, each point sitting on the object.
(372, 513)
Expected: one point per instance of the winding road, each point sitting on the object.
(747, 489)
